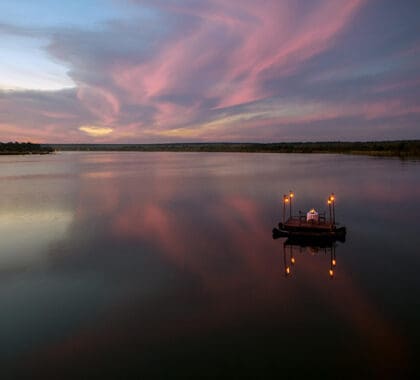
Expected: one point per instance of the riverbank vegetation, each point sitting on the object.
(403, 149)
(408, 148)
(24, 148)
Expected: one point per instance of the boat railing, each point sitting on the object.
(302, 217)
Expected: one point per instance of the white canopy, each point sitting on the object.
(312, 215)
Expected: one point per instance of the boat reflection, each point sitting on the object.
(293, 247)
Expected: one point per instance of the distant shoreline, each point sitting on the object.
(16, 148)
(401, 148)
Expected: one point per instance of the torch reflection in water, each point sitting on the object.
(288, 252)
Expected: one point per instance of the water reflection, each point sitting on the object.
(167, 256)
(26, 235)
(305, 249)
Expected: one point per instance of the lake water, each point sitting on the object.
(162, 265)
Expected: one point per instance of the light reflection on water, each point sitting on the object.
(163, 263)
(26, 235)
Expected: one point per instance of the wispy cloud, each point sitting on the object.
(94, 131)
(216, 70)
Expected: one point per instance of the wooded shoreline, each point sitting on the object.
(401, 148)
(407, 148)
(24, 148)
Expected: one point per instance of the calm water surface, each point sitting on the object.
(162, 265)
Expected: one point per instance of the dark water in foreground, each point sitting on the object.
(162, 265)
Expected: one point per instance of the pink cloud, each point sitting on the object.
(58, 115)
(206, 63)
(47, 134)
(228, 55)
(397, 85)
(100, 102)
(277, 47)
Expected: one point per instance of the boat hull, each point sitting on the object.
(315, 234)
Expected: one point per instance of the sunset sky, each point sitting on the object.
(145, 71)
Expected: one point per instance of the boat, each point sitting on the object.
(312, 226)
(309, 235)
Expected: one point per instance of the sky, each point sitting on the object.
(150, 71)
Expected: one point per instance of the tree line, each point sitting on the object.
(24, 148)
(403, 148)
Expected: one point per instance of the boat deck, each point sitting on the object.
(301, 224)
